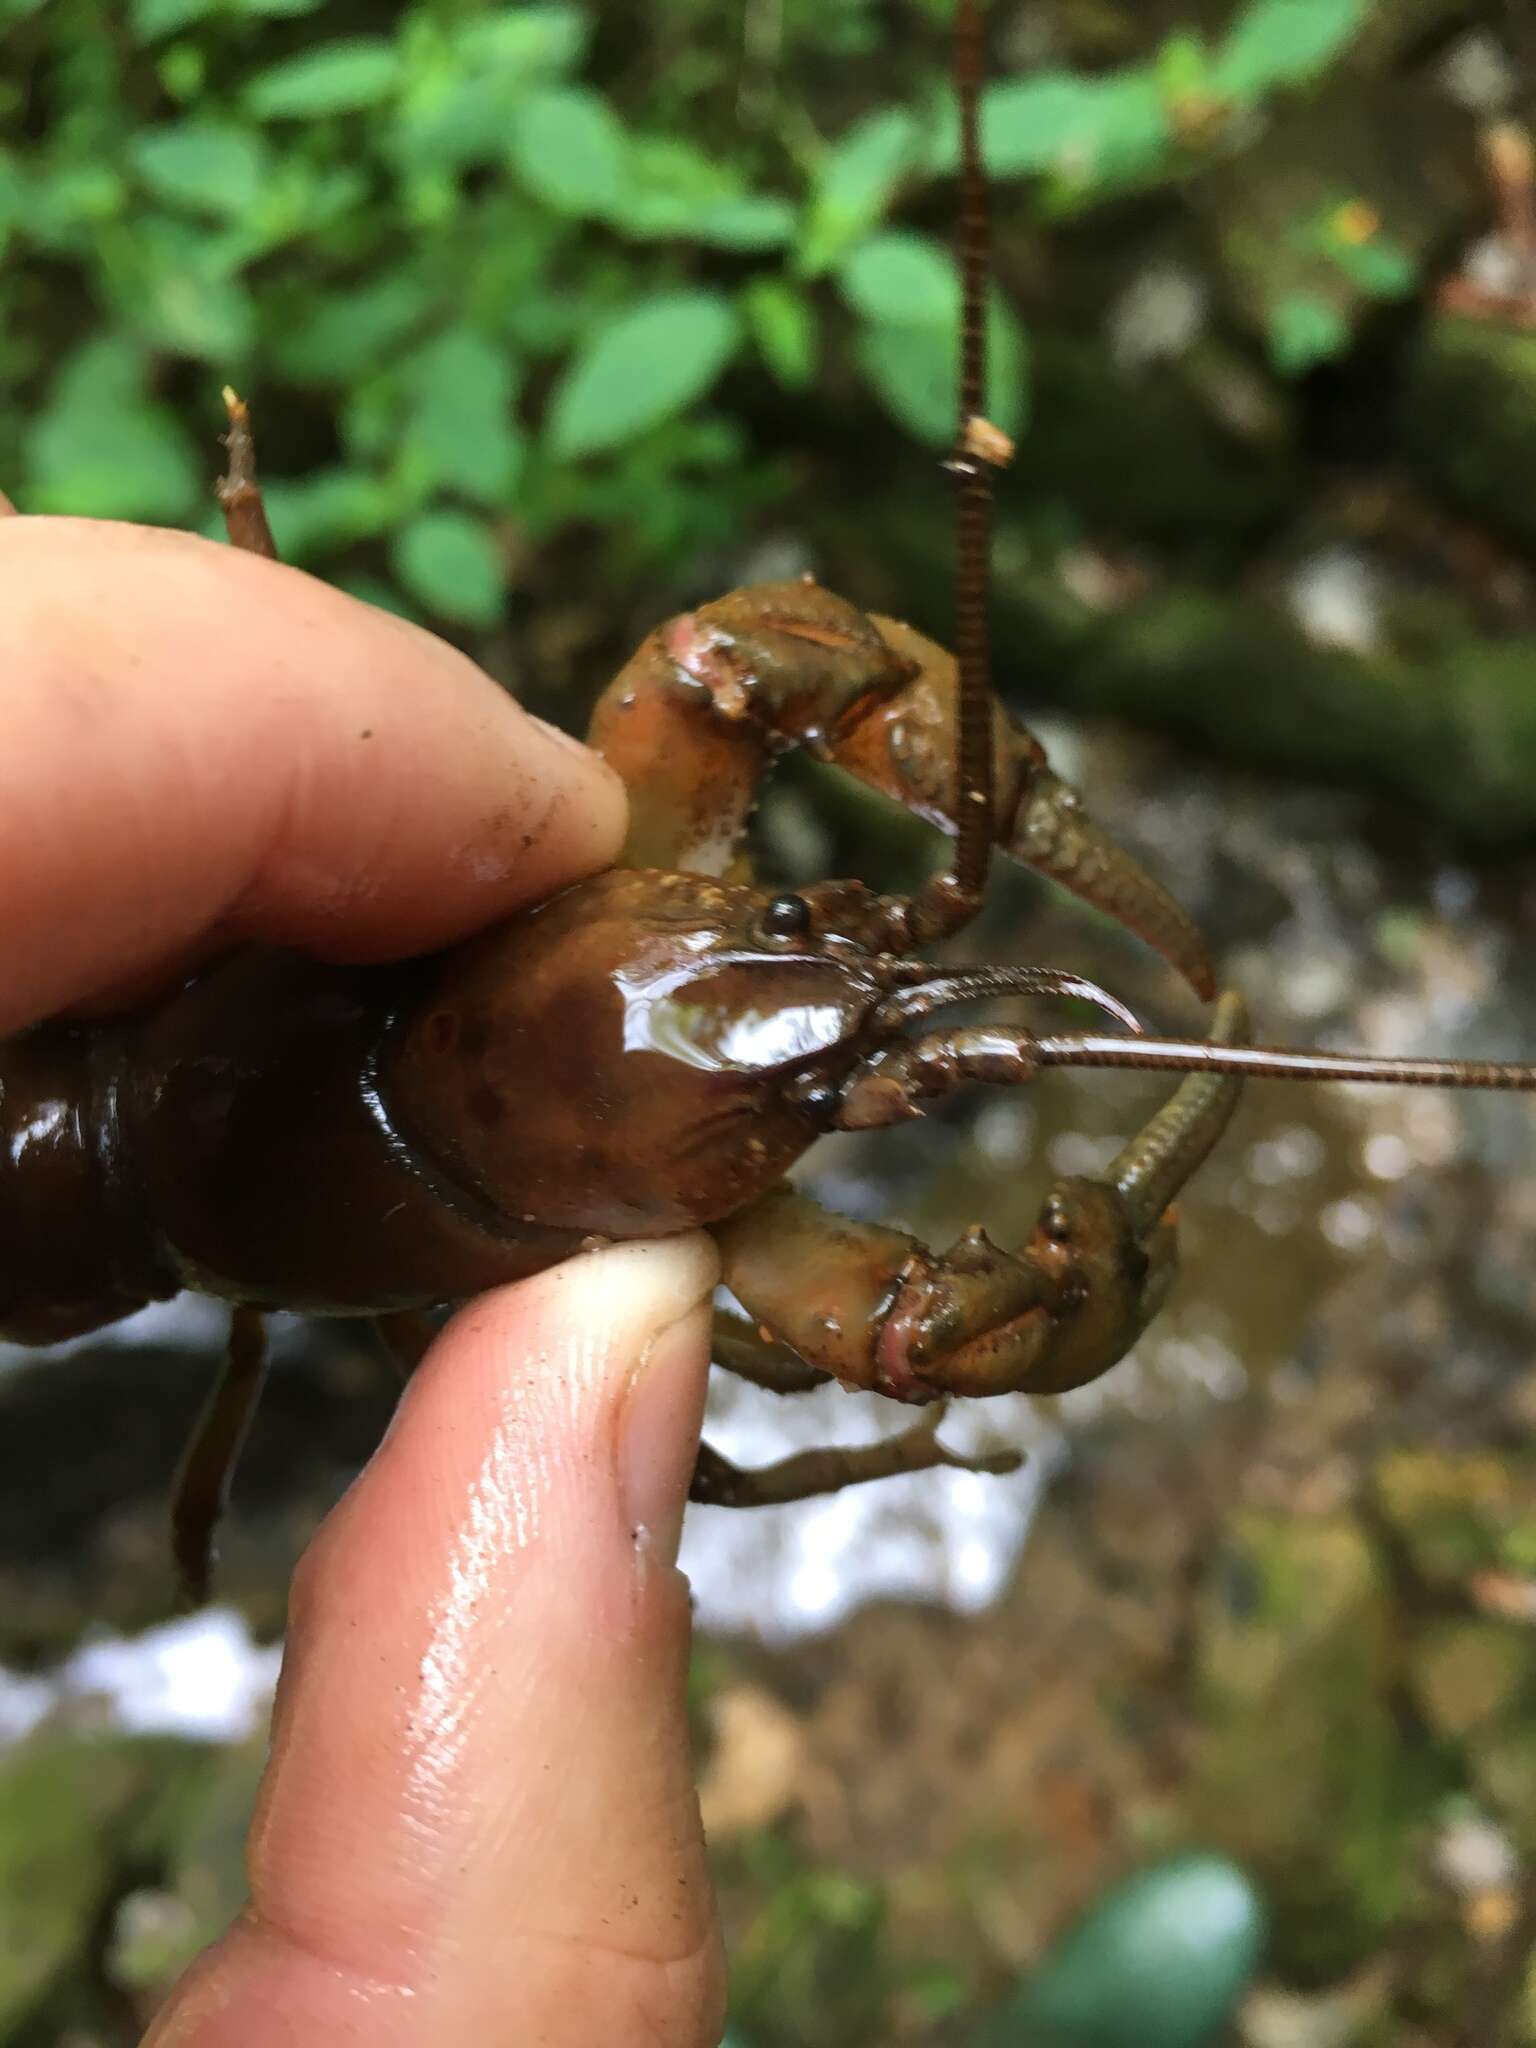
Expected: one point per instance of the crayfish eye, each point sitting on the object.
(787, 917)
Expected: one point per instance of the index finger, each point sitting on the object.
(198, 743)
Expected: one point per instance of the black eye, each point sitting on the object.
(787, 917)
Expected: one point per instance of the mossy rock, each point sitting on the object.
(1468, 1676)
(1451, 729)
(1302, 1772)
(1457, 1513)
(203, 1883)
(1140, 456)
(1469, 418)
(1503, 1768)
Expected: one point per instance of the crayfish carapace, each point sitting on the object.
(654, 1048)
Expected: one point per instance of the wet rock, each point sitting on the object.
(1469, 418)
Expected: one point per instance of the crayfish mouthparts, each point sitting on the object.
(889, 1086)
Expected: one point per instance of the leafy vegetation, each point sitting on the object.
(496, 273)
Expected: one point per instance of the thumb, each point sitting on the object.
(478, 1822)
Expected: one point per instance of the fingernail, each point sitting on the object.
(659, 1433)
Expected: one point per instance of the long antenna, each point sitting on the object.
(952, 899)
(973, 524)
(1273, 1062)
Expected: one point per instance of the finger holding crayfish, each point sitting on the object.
(199, 747)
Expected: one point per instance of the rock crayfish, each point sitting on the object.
(653, 1049)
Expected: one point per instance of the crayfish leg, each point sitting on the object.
(740, 1347)
(720, 1484)
(200, 1493)
(239, 493)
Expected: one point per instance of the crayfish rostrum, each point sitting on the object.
(654, 1048)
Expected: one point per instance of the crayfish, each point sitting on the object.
(653, 1049)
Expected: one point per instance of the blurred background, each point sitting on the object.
(1216, 1723)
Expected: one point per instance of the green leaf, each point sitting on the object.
(452, 564)
(914, 369)
(671, 190)
(375, 591)
(327, 511)
(151, 19)
(568, 148)
(276, 9)
(349, 331)
(13, 198)
(902, 279)
(534, 42)
(169, 284)
(1379, 266)
(639, 369)
(458, 111)
(103, 449)
(1305, 330)
(1083, 131)
(181, 71)
(460, 432)
(783, 325)
(1183, 68)
(855, 182)
(203, 166)
(1283, 42)
(74, 196)
(337, 78)
(754, 221)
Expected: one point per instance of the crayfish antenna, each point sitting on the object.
(1276, 1062)
(238, 492)
(952, 899)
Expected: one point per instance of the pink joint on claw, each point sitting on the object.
(895, 1374)
(695, 651)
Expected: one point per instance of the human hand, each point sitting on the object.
(478, 1822)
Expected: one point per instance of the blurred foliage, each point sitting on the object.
(814, 1960)
(492, 274)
